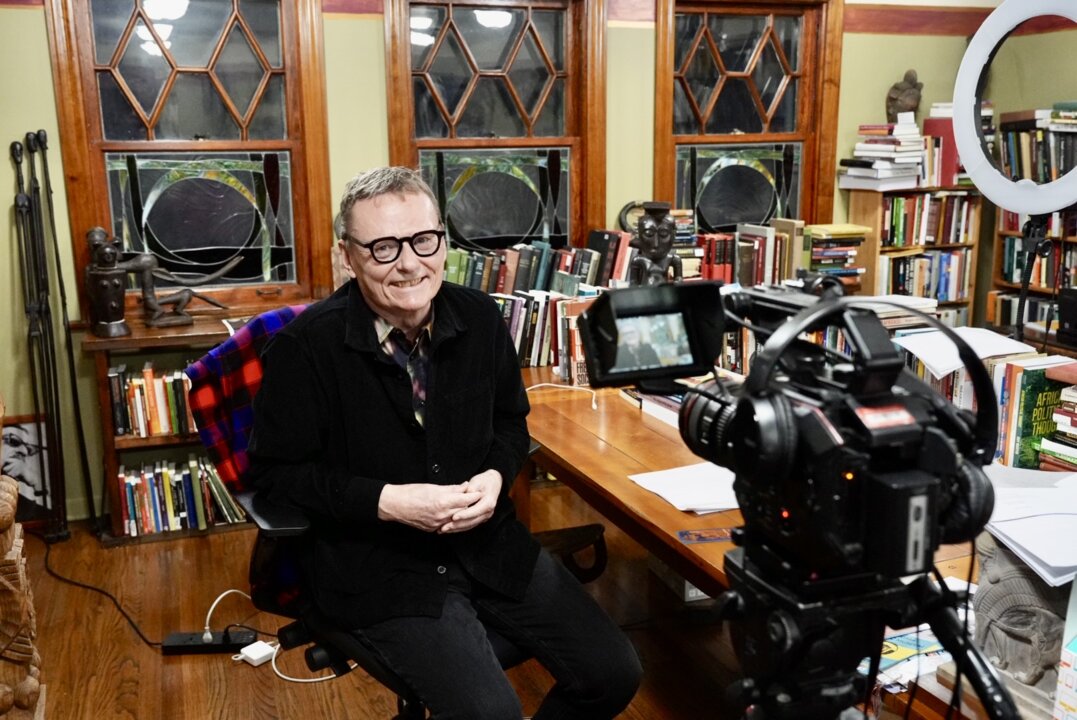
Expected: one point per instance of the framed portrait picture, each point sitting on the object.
(24, 457)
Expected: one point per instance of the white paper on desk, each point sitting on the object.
(704, 487)
(940, 357)
(1039, 524)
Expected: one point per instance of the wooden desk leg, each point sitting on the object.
(521, 492)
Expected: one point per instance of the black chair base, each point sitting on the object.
(565, 543)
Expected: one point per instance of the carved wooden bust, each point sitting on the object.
(20, 664)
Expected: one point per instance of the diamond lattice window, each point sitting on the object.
(488, 72)
(735, 74)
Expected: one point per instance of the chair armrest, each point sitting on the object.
(272, 519)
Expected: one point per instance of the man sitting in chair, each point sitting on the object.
(394, 415)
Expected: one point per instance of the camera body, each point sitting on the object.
(849, 473)
(846, 463)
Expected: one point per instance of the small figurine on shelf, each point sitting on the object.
(903, 96)
(105, 283)
(655, 231)
(105, 279)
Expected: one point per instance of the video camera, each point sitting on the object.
(850, 472)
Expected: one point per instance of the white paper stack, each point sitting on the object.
(1036, 517)
(701, 488)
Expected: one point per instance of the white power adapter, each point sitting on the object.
(257, 653)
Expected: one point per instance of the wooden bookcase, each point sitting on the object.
(1005, 280)
(870, 208)
(1038, 145)
(143, 341)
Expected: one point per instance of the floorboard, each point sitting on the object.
(95, 665)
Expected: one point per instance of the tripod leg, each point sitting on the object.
(971, 662)
(22, 229)
(42, 142)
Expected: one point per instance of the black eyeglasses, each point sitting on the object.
(387, 249)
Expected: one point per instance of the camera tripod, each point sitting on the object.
(800, 648)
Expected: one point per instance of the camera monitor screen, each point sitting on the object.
(652, 334)
(646, 342)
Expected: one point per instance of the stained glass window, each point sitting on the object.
(199, 213)
(730, 184)
(496, 198)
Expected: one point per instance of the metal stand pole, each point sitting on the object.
(42, 142)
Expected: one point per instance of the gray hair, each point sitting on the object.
(391, 180)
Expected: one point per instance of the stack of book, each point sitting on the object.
(165, 496)
(942, 167)
(834, 250)
(149, 402)
(761, 255)
(1058, 450)
(888, 156)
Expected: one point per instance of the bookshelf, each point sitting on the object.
(1040, 145)
(922, 242)
(142, 342)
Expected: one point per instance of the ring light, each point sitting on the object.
(1023, 196)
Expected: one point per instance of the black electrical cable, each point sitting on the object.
(110, 596)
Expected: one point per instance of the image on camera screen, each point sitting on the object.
(645, 342)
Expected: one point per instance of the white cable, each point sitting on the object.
(207, 636)
(594, 395)
(282, 676)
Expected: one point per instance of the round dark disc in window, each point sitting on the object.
(493, 206)
(734, 194)
(198, 212)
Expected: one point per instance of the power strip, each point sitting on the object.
(193, 644)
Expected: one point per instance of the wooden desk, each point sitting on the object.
(594, 452)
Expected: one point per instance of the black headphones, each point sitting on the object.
(760, 416)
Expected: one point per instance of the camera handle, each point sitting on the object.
(970, 661)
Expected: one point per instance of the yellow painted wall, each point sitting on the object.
(355, 87)
(28, 104)
(1031, 71)
(870, 64)
(630, 68)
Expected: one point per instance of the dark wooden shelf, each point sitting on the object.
(133, 442)
(109, 540)
(206, 331)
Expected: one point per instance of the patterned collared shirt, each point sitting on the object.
(413, 358)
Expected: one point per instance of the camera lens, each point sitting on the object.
(704, 421)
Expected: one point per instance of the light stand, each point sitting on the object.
(1034, 243)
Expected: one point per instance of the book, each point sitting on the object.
(605, 243)
(1034, 399)
(523, 268)
(118, 399)
(149, 397)
(763, 246)
(949, 164)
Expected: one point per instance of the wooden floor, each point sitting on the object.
(95, 666)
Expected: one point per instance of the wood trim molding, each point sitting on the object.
(663, 184)
(592, 70)
(315, 124)
(828, 93)
(83, 195)
(353, 7)
(935, 20)
(402, 149)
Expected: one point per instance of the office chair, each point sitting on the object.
(223, 385)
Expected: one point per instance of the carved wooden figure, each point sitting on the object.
(20, 664)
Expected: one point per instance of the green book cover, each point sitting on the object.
(1039, 396)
